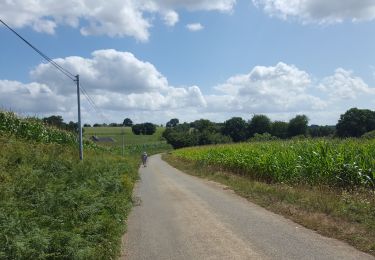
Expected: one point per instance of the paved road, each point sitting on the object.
(183, 217)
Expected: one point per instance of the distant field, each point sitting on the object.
(133, 144)
(129, 138)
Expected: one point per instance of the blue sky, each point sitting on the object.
(272, 57)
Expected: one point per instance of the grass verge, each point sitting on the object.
(52, 206)
(348, 216)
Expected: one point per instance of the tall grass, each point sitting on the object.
(342, 163)
(52, 206)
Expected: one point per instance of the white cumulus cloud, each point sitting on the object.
(115, 81)
(107, 70)
(319, 11)
(344, 85)
(171, 18)
(284, 90)
(194, 27)
(121, 85)
(269, 89)
(115, 18)
(31, 98)
(208, 5)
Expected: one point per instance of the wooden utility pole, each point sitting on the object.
(79, 120)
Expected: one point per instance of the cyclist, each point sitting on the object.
(144, 159)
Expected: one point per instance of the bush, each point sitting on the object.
(263, 137)
(369, 135)
(184, 136)
(144, 129)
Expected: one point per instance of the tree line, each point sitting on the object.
(353, 123)
(58, 122)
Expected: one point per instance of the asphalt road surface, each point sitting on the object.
(183, 217)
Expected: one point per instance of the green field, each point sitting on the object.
(117, 133)
(133, 144)
(339, 163)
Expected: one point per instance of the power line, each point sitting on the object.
(66, 73)
(93, 105)
(61, 69)
(57, 66)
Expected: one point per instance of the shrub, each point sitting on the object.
(263, 137)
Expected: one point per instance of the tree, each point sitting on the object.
(259, 124)
(172, 123)
(86, 125)
(200, 132)
(321, 131)
(204, 125)
(148, 129)
(262, 137)
(279, 129)
(137, 129)
(144, 129)
(181, 136)
(54, 121)
(355, 122)
(127, 122)
(206, 137)
(298, 125)
(236, 128)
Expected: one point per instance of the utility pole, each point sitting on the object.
(123, 141)
(66, 73)
(79, 120)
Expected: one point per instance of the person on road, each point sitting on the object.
(144, 159)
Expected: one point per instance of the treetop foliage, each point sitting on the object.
(127, 122)
(144, 129)
(355, 122)
(172, 123)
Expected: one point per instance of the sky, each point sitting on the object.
(153, 60)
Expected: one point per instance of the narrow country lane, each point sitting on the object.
(183, 217)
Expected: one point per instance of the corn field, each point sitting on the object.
(346, 163)
(33, 129)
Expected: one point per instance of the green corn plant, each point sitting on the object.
(346, 163)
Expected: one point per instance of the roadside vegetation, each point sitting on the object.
(52, 206)
(327, 185)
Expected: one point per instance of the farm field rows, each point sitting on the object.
(340, 163)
